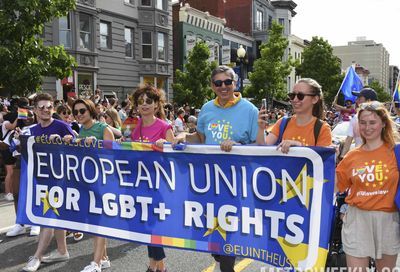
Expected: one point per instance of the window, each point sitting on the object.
(161, 46)
(105, 35)
(85, 31)
(269, 22)
(146, 3)
(281, 21)
(147, 44)
(64, 26)
(129, 42)
(259, 19)
(161, 4)
(132, 2)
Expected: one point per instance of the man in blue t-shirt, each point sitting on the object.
(227, 120)
(48, 126)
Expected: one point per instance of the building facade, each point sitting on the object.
(369, 54)
(296, 48)
(117, 45)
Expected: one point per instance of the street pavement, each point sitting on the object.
(124, 256)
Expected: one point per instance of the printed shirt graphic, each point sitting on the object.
(372, 177)
(237, 123)
(157, 130)
(304, 134)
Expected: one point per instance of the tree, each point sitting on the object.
(193, 84)
(24, 58)
(268, 79)
(319, 63)
(382, 95)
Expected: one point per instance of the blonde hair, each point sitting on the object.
(114, 116)
(388, 133)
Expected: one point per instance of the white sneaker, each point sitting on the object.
(32, 265)
(9, 197)
(92, 267)
(55, 256)
(105, 263)
(16, 230)
(35, 230)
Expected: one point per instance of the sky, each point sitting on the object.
(341, 21)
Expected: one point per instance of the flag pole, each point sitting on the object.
(341, 85)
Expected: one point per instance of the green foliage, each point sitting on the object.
(382, 95)
(319, 63)
(192, 86)
(24, 58)
(268, 78)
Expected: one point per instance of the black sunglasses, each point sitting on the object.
(66, 113)
(148, 101)
(300, 96)
(81, 111)
(227, 82)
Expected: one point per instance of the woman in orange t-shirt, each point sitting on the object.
(371, 225)
(308, 106)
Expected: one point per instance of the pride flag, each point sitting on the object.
(22, 113)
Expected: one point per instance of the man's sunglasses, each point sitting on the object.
(81, 111)
(147, 100)
(300, 96)
(227, 82)
(42, 107)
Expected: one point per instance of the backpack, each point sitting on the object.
(5, 138)
(285, 121)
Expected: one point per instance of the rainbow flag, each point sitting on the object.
(22, 113)
(396, 96)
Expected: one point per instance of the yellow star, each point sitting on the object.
(374, 185)
(386, 177)
(366, 163)
(387, 171)
(381, 183)
(366, 184)
(47, 206)
(290, 192)
(218, 228)
(385, 165)
(373, 161)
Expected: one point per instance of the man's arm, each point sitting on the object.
(346, 146)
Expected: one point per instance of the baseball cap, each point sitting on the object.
(368, 93)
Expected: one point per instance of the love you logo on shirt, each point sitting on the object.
(371, 173)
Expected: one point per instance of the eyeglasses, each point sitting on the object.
(42, 107)
(227, 82)
(300, 96)
(147, 100)
(81, 111)
(66, 113)
(374, 105)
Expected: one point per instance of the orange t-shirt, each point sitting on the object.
(304, 134)
(372, 178)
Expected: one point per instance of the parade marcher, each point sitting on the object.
(307, 102)
(347, 111)
(180, 124)
(84, 112)
(353, 133)
(238, 118)
(370, 174)
(114, 122)
(52, 128)
(152, 128)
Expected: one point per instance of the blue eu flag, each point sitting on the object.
(351, 83)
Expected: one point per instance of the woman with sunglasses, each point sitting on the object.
(64, 111)
(84, 112)
(370, 174)
(307, 102)
(152, 128)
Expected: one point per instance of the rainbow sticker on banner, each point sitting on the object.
(22, 113)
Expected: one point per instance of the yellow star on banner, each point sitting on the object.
(296, 253)
(216, 227)
(47, 206)
(309, 186)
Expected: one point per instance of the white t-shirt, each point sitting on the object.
(179, 125)
(354, 131)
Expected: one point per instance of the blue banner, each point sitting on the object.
(253, 202)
